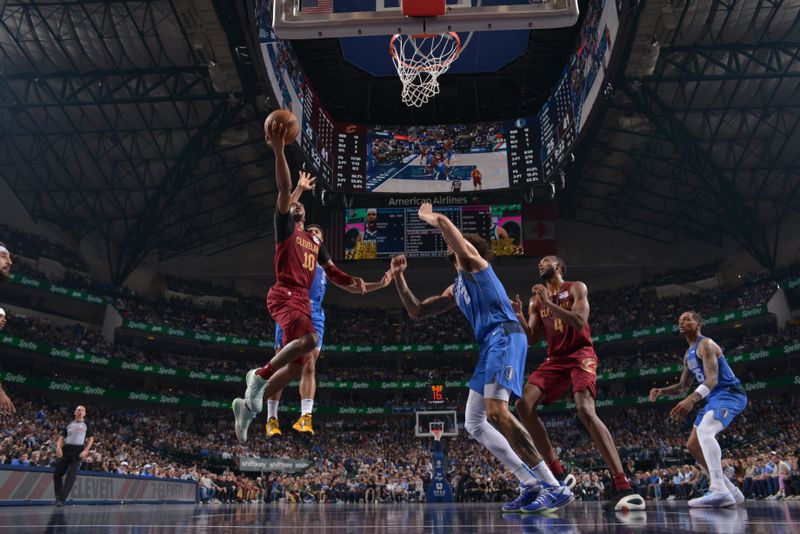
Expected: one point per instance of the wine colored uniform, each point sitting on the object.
(570, 354)
(297, 253)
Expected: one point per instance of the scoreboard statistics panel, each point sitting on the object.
(372, 233)
(337, 150)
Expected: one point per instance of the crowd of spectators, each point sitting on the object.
(613, 311)
(380, 460)
(36, 246)
(364, 367)
(195, 286)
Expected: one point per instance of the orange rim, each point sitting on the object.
(444, 63)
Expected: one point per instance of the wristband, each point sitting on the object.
(702, 390)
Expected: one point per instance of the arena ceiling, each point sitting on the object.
(135, 124)
(698, 137)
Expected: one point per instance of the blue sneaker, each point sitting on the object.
(527, 494)
(550, 498)
(713, 499)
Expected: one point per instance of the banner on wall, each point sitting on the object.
(102, 361)
(64, 291)
(175, 400)
(35, 486)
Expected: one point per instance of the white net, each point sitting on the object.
(420, 60)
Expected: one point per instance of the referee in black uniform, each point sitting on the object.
(73, 445)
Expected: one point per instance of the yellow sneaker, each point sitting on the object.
(273, 428)
(304, 424)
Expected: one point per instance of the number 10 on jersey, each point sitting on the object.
(309, 261)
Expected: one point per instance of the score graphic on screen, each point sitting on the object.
(437, 394)
(372, 233)
(524, 140)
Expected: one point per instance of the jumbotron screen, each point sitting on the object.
(373, 233)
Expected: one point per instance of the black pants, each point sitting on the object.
(66, 465)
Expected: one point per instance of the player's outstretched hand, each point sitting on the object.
(275, 136)
(306, 181)
(682, 409)
(427, 215)
(399, 264)
(516, 305)
(6, 406)
(359, 284)
(654, 394)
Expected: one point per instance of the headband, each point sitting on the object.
(4, 249)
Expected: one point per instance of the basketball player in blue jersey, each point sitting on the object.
(478, 293)
(725, 399)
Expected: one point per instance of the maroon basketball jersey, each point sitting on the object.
(296, 259)
(563, 340)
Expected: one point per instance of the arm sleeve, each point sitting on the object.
(324, 256)
(284, 225)
(337, 275)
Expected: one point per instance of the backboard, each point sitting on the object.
(322, 19)
(446, 419)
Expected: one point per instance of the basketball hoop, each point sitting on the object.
(420, 59)
(437, 434)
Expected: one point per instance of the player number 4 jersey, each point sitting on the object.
(563, 340)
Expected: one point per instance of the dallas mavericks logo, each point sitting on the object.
(508, 372)
(724, 413)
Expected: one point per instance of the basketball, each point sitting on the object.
(287, 118)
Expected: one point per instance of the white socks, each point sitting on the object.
(543, 473)
(484, 433)
(707, 431)
(306, 406)
(272, 409)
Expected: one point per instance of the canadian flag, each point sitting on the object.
(539, 230)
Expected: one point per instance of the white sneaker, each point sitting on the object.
(254, 394)
(671, 498)
(738, 496)
(713, 499)
(242, 417)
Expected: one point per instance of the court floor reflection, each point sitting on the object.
(579, 518)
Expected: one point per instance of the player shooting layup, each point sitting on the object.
(297, 253)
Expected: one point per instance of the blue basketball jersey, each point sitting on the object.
(317, 291)
(726, 378)
(483, 300)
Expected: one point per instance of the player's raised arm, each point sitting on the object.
(306, 182)
(283, 178)
(464, 251)
(578, 316)
(369, 287)
(418, 310)
(338, 276)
